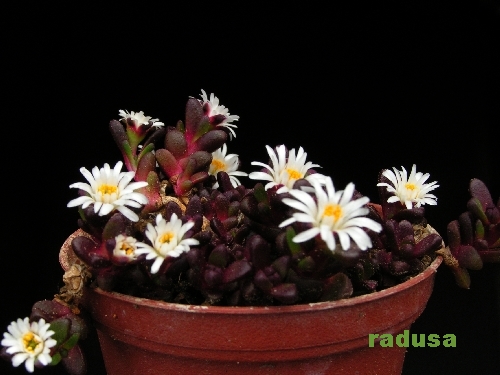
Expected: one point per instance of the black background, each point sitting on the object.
(360, 87)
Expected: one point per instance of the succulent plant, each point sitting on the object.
(179, 226)
(474, 238)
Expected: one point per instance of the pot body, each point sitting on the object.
(140, 336)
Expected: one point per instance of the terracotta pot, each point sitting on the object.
(140, 336)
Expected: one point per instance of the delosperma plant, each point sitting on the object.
(179, 226)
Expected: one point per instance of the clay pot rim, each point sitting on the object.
(359, 300)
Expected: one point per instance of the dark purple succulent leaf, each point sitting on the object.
(147, 164)
(194, 116)
(167, 162)
(241, 233)
(212, 276)
(428, 245)
(250, 293)
(219, 256)
(193, 208)
(405, 232)
(414, 215)
(468, 257)
(480, 245)
(248, 206)
(156, 138)
(117, 224)
(175, 142)
(474, 206)
(224, 181)
(236, 271)
(261, 280)
(172, 208)
(234, 207)
(217, 119)
(74, 362)
(406, 250)
(285, 293)
(210, 141)
(86, 249)
(466, 229)
(282, 266)
(196, 258)
(49, 310)
(453, 235)
(478, 190)
(202, 159)
(383, 258)
(217, 227)
(337, 287)
(203, 237)
(221, 206)
(391, 229)
(199, 177)
(273, 275)
(230, 223)
(258, 251)
(493, 215)
(233, 195)
(118, 133)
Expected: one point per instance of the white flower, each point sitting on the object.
(125, 247)
(166, 238)
(285, 172)
(333, 212)
(214, 109)
(225, 163)
(409, 190)
(138, 118)
(110, 189)
(29, 343)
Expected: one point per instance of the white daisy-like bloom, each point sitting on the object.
(166, 239)
(138, 118)
(409, 189)
(126, 246)
(221, 162)
(214, 109)
(285, 171)
(110, 189)
(331, 213)
(29, 343)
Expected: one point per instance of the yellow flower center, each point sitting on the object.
(31, 342)
(218, 165)
(294, 173)
(410, 186)
(107, 189)
(127, 248)
(166, 238)
(333, 210)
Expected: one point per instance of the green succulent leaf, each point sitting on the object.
(71, 342)
(293, 246)
(61, 328)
